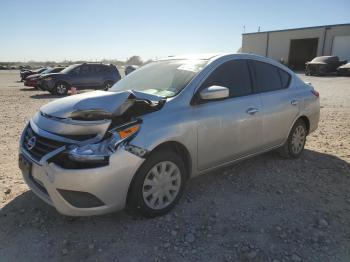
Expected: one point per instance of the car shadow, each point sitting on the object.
(255, 194)
(45, 96)
(29, 89)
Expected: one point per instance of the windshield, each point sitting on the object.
(48, 70)
(163, 78)
(39, 70)
(69, 68)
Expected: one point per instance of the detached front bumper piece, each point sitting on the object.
(81, 192)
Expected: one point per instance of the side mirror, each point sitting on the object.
(214, 92)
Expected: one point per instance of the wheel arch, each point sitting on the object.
(63, 82)
(175, 146)
(178, 148)
(306, 120)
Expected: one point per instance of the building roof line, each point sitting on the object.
(300, 28)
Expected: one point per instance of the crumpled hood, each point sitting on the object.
(113, 103)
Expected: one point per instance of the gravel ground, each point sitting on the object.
(263, 209)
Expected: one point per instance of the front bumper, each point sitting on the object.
(30, 83)
(109, 184)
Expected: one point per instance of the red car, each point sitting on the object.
(32, 80)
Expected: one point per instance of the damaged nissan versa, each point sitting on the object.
(136, 145)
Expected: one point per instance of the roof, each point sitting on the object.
(300, 28)
(204, 56)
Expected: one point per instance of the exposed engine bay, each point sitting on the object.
(97, 112)
(86, 129)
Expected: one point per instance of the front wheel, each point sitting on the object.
(107, 85)
(158, 184)
(61, 88)
(295, 143)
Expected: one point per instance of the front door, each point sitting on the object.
(231, 128)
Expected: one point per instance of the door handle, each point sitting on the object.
(294, 102)
(252, 110)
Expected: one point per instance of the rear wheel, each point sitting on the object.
(107, 85)
(295, 143)
(158, 184)
(61, 88)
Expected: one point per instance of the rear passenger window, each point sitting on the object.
(285, 78)
(268, 77)
(234, 75)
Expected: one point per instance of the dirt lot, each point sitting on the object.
(264, 209)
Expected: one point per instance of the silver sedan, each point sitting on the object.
(137, 144)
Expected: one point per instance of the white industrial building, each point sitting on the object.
(296, 46)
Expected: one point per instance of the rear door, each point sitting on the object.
(280, 105)
(229, 128)
(93, 76)
(98, 74)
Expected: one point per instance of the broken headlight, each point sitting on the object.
(100, 152)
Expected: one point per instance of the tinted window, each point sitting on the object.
(95, 69)
(107, 68)
(75, 70)
(104, 69)
(285, 77)
(234, 75)
(85, 70)
(267, 77)
(55, 70)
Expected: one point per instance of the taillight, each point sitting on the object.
(315, 93)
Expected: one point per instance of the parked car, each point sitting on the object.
(344, 70)
(33, 80)
(25, 73)
(137, 144)
(130, 68)
(322, 65)
(80, 76)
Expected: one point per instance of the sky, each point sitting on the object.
(105, 29)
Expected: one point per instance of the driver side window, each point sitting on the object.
(232, 74)
(76, 71)
(84, 70)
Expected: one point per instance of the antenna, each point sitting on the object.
(243, 29)
(259, 28)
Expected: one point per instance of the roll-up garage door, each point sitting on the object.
(341, 47)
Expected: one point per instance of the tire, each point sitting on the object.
(295, 143)
(107, 85)
(145, 187)
(61, 88)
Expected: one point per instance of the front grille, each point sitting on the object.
(39, 146)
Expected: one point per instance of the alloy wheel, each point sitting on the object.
(61, 89)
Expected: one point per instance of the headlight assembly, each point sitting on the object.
(100, 152)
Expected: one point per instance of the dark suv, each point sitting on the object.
(80, 76)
